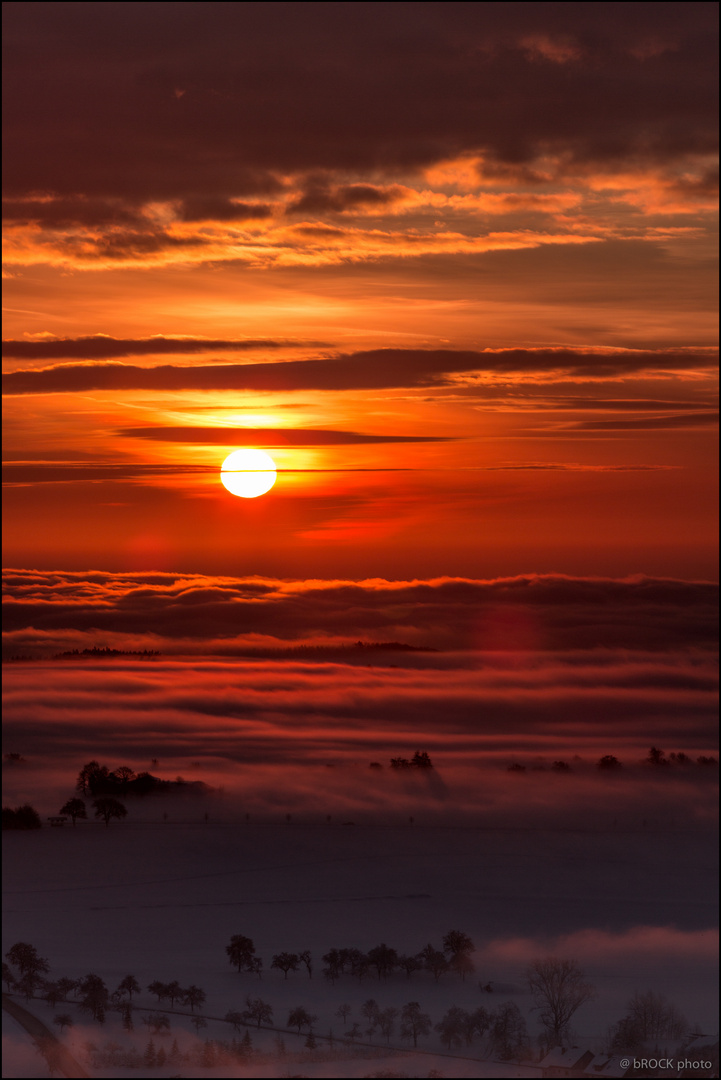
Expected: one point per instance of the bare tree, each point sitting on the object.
(452, 1028)
(236, 1019)
(129, 986)
(260, 1012)
(559, 989)
(344, 1011)
(74, 808)
(650, 1017)
(414, 1022)
(386, 1021)
(107, 809)
(285, 962)
(507, 1031)
(409, 964)
(434, 960)
(307, 959)
(193, 996)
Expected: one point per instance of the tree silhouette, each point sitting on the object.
(129, 986)
(52, 993)
(260, 1012)
(22, 817)
(608, 761)
(508, 1034)
(94, 996)
(370, 1010)
(91, 778)
(333, 964)
(107, 808)
(66, 986)
(26, 959)
(409, 964)
(650, 1017)
(307, 959)
(300, 1018)
(383, 960)
(63, 1020)
(194, 997)
(285, 962)
(344, 1011)
(558, 989)
(452, 1028)
(414, 1023)
(434, 960)
(159, 989)
(656, 757)
(157, 1022)
(74, 808)
(241, 951)
(234, 1018)
(8, 977)
(386, 1021)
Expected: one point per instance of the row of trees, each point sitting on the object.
(27, 817)
(558, 987)
(609, 763)
(381, 961)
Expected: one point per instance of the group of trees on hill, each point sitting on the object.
(96, 779)
(380, 961)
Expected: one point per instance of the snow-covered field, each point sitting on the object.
(614, 871)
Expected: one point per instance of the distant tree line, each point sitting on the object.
(379, 962)
(608, 763)
(558, 987)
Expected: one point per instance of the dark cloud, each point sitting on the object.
(321, 199)
(68, 212)
(155, 101)
(102, 346)
(650, 423)
(228, 436)
(531, 611)
(372, 370)
(223, 210)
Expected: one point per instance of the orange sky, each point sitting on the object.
(491, 316)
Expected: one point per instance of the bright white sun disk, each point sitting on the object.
(248, 473)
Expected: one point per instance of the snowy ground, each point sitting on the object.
(614, 871)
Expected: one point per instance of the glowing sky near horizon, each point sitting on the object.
(453, 271)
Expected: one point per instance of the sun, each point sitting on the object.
(248, 473)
